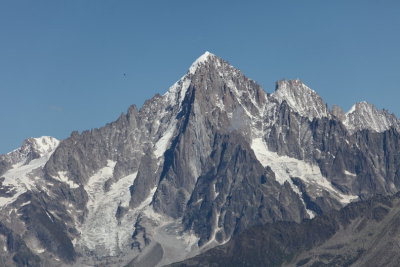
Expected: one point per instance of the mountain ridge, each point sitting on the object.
(322, 241)
(196, 166)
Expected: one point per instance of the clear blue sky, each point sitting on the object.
(62, 63)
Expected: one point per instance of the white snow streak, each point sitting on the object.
(286, 167)
(350, 173)
(163, 143)
(62, 177)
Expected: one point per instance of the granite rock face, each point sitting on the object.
(364, 115)
(192, 169)
(361, 234)
(237, 192)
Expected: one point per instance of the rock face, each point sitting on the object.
(361, 234)
(32, 148)
(225, 201)
(193, 168)
(301, 99)
(365, 116)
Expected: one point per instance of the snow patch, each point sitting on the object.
(49, 215)
(349, 173)
(26, 203)
(286, 167)
(40, 250)
(19, 177)
(215, 193)
(163, 143)
(301, 99)
(62, 177)
(45, 144)
(365, 116)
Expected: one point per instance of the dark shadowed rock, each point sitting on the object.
(334, 239)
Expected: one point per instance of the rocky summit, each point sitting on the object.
(212, 158)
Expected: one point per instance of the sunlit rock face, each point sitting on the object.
(191, 169)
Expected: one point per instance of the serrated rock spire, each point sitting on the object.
(300, 98)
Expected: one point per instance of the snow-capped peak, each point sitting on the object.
(33, 148)
(41, 145)
(44, 144)
(201, 60)
(33, 154)
(300, 98)
(364, 115)
(360, 105)
(178, 90)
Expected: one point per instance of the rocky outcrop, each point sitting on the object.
(364, 115)
(236, 192)
(361, 234)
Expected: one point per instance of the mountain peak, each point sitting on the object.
(200, 60)
(33, 148)
(204, 66)
(289, 86)
(360, 106)
(178, 90)
(43, 144)
(364, 115)
(300, 98)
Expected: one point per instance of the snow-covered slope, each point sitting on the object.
(309, 104)
(364, 115)
(25, 162)
(32, 148)
(286, 168)
(301, 99)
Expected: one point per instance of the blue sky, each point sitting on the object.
(62, 63)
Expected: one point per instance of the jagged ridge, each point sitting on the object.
(212, 157)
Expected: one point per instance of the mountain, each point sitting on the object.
(191, 169)
(20, 163)
(365, 116)
(363, 233)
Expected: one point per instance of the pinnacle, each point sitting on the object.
(200, 60)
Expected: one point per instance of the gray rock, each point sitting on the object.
(189, 154)
(361, 234)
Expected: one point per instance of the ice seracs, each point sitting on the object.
(101, 232)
